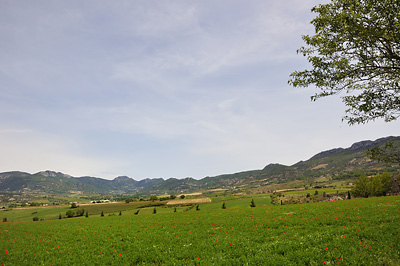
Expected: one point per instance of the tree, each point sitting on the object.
(356, 49)
(182, 196)
(252, 203)
(361, 187)
(73, 205)
(153, 198)
(386, 153)
(375, 186)
(154, 211)
(120, 213)
(102, 214)
(197, 207)
(380, 184)
(87, 214)
(223, 205)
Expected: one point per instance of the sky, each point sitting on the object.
(163, 88)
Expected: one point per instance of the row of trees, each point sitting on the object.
(77, 213)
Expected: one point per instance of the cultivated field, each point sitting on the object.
(350, 232)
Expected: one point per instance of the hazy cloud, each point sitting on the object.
(160, 88)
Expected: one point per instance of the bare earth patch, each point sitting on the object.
(320, 166)
(189, 201)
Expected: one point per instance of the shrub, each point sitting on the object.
(35, 219)
(153, 198)
(70, 213)
(274, 199)
(80, 212)
(223, 206)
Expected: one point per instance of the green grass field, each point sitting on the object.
(350, 232)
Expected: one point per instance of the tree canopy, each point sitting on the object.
(356, 51)
(375, 186)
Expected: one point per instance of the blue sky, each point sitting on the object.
(161, 88)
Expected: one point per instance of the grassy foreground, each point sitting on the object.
(351, 232)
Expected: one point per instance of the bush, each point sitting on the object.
(73, 205)
(153, 198)
(274, 199)
(35, 219)
(80, 212)
(70, 213)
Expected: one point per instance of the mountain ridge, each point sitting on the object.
(334, 164)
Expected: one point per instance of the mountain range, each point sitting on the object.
(328, 168)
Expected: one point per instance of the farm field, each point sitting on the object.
(52, 212)
(350, 232)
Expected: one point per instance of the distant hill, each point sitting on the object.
(325, 168)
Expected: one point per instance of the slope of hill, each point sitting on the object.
(326, 167)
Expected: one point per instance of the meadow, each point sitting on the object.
(349, 232)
